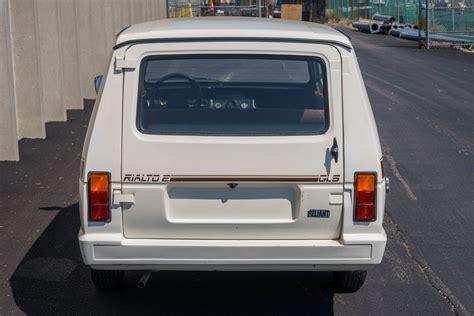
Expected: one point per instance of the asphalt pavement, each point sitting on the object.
(423, 102)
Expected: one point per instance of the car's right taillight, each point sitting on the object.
(99, 197)
(365, 197)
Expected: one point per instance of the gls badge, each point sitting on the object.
(319, 213)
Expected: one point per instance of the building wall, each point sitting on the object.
(50, 52)
(8, 127)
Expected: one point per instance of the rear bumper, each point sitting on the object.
(112, 251)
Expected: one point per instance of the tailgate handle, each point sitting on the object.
(335, 150)
(123, 198)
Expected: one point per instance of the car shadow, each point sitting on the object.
(52, 279)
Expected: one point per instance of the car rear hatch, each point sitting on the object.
(197, 174)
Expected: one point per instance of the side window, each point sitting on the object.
(232, 95)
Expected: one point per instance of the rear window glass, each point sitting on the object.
(232, 95)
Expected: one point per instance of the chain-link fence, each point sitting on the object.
(452, 19)
(403, 11)
(312, 10)
(451, 25)
(451, 22)
(446, 17)
(194, 8)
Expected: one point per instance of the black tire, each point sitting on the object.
(349, 281)
(107, 279)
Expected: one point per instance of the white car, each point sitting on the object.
(232, 144)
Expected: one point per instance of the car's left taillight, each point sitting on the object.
(99, 196)
(365, 197)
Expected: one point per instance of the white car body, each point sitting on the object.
(190, 218)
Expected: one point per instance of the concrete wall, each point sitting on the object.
(50, 52)
(8, 132)
(26, 69)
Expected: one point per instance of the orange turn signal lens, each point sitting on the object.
(365, 210)
(99, 197)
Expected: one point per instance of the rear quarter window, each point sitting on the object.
(232, 95)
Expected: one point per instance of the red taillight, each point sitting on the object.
(365, 197)
(99, 197)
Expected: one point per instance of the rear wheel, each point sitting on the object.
(107, 279)
(349, 281)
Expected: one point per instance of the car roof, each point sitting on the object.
(229, 28)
